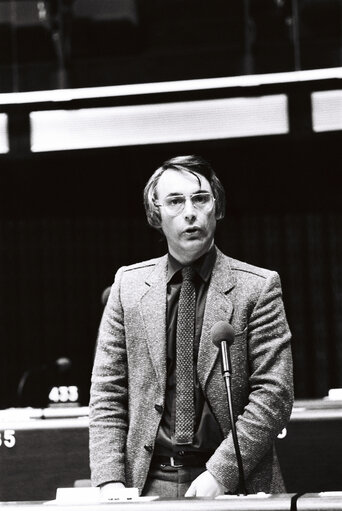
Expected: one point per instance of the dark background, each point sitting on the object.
(69, 220)
(86, 43)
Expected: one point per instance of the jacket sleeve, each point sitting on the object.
(108, 395)
(271, 388)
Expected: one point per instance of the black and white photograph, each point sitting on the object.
(171, 255)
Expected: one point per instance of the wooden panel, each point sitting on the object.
(48, 454)
(311, 453)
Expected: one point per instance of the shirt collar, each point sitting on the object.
(202, 266)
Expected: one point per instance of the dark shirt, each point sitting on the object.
(207, 435)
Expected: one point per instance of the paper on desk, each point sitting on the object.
(93, 496)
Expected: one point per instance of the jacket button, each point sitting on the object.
(159, 408)
(148, 448)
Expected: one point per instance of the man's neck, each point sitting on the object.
(186, 259)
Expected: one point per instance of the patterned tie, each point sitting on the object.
(185, 410)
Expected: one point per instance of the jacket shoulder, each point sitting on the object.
(245, 269)
(143, 265)
(250, 280)
(141, 271)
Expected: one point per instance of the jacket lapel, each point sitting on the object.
(153, 310)
(218, 308)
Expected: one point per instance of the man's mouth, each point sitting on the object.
(192, 230)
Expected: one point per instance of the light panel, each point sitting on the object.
(326, 110)
(56, 130)
(4, 142)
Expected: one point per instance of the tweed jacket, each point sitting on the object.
(129, 374)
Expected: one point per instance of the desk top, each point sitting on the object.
(317, 409)
(44, 418)
(285, 502)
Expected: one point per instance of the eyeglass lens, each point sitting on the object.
(176, 203)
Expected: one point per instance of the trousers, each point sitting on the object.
(170, 482)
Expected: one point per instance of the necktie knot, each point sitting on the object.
(188, 273)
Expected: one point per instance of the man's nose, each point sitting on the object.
(189, 209)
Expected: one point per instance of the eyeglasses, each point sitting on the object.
(174, 204)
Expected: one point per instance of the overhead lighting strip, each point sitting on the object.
(56, 130)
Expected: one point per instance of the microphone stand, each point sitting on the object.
(227, 375)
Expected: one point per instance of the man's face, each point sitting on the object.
(189, 234)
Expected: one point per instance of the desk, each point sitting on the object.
(51, 453)
(311, 453)
(285, 502)
(48, 453)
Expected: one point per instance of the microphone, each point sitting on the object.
(62, 364)
(222, 336)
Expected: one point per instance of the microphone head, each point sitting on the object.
(63, 364)
(222, 331)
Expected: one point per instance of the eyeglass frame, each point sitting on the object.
(188, 196)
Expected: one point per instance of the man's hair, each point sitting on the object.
(192, 164)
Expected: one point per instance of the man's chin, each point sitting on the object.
(196, 247)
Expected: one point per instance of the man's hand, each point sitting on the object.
(109, 491)
(205, 485)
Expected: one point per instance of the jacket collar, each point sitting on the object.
(218, 308)
(153, 311)
(222, 276)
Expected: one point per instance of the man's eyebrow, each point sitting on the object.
(175, 194)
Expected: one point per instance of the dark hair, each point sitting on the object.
(192, 164)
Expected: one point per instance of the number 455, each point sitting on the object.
(7, 438)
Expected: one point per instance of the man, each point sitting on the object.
(158, 413)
